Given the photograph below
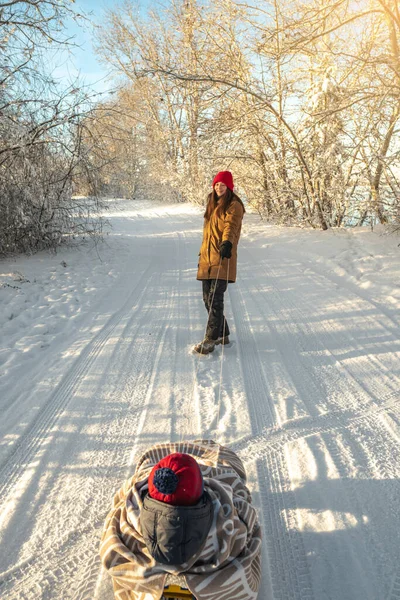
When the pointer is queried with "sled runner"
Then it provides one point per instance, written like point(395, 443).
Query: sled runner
point(176, 592)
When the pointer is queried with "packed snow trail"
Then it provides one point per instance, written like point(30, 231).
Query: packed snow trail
point(309, 400)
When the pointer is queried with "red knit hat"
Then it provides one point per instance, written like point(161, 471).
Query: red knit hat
point(176, 480)
point(224, 177)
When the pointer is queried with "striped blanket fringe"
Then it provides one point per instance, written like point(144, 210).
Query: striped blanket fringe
point(229, 564)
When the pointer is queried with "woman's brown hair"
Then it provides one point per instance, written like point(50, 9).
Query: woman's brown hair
point(212, 202)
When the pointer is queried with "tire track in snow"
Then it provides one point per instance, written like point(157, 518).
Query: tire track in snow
point(17, 463)
point(394, 593)
point(349, 390)
point(291, 341)
point(274, 439)
point(294, 341)
point(287, 561)
point(286, 355)
point(387, 377)
point(346, 282)
point(90, 581)
point(288, 566)
point(138, 356)
point(355, 457)
point(87, 487)
point(370, 537)
point(254, 380)
point(144, 436)
point(360, 389)
point(182, 400)
point(327, 337)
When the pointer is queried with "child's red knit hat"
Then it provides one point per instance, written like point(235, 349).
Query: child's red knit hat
point(225, 177)
point(176, 480)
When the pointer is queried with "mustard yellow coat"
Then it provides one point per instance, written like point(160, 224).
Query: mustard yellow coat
point(218, 229)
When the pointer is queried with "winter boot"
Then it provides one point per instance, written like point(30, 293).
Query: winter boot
point(205, 347)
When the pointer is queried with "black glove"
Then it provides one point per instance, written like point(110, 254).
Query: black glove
point(225, 249)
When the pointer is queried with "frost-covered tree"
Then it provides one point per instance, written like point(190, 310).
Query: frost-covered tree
point(40, 131)
point(300, 99)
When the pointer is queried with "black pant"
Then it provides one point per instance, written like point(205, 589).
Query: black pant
point(217, 325)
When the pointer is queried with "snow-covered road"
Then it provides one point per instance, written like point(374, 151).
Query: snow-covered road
point(96, 366)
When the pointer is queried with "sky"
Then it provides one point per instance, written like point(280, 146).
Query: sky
point(82, 60)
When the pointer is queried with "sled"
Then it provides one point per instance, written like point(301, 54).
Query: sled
point(176, 592)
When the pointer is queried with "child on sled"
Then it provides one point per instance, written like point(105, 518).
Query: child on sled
point(186, 512)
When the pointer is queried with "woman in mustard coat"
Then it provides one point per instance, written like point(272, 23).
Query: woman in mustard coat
point(218, 256)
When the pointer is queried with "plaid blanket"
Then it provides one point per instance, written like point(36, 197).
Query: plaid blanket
point(227, 567)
